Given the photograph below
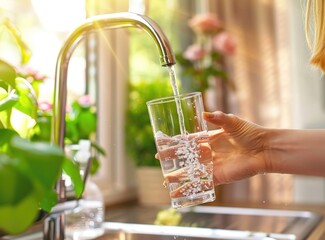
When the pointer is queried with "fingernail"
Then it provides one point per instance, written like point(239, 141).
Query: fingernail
point(208, 115)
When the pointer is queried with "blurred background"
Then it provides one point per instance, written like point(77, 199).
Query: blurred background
point(272, 82)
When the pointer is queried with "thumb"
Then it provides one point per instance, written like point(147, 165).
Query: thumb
point(226, 121)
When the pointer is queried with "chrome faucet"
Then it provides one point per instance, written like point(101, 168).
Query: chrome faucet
point(54, 226)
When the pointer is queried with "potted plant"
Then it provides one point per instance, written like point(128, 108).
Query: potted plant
point(203, 62)
point(81, 124)
point(140, 142)
point(28, 170)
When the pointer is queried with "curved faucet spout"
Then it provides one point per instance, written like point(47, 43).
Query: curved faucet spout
point(100, 22)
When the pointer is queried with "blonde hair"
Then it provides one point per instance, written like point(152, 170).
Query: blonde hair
point(315, 20)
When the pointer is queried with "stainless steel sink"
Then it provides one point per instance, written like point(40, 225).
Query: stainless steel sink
point(123, 231)
point(136, 223)
point(212, 223)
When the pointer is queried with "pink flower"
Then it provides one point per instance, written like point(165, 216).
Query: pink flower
point(194, 52)
point(45, 106)
point(224, 43)
point(31, 74)
point(85, 101)
point(68, 109)
point(205, 23)
point(39, 76)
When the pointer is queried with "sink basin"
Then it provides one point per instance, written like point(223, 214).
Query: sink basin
point(212, 223)
point(123, 231)
point(136, 223)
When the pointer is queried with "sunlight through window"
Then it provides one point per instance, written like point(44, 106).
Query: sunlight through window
point(60, 15)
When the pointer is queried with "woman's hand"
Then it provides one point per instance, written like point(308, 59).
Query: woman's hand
point(238, 150)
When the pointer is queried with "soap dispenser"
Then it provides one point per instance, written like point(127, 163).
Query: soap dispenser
point(84, 221)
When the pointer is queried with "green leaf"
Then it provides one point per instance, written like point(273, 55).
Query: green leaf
point(24, 50)
point(4, 119)
point(86, 123)
point(73, 171)
point(8, 101)
point(95, 165)
point(49, 200)
point(18, 218)
point(14, 185)
point(27, 102)
point(98, 148)
point(3, 85)
point(215, 56)
point(71, 132)
point(43, 159)
point(42, 131)
point(19, 203)
point(6, 135)
point(7, 73)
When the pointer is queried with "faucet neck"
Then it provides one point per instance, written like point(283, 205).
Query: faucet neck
point(100, 22)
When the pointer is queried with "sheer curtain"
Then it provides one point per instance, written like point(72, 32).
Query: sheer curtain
point(261, 71)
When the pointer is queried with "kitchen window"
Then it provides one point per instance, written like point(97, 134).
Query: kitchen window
point(101, 65)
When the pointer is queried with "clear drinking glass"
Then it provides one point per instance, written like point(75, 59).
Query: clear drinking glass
point(181, 138)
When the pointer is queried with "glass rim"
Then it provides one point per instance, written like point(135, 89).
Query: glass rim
point(172, 98)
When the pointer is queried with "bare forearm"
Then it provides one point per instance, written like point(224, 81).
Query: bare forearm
point(296, 151)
